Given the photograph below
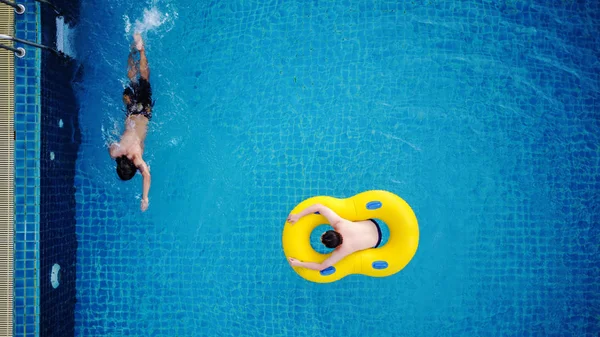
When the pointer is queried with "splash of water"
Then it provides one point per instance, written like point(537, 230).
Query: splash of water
point(127, 24)
point(152, 19)
point(111, 135)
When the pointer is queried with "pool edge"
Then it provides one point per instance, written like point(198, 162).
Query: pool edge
point(7, 102)
point(27, 111)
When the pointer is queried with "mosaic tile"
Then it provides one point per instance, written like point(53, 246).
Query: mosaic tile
point(58, 152)
point(27, 110)
point(482, 115)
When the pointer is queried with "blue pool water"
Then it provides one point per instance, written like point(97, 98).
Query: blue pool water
point(482, 115)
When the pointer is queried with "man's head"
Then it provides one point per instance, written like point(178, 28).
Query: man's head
point(125, 168)
point(331, 239)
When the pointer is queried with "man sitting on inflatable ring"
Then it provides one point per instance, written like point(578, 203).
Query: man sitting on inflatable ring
point(347, 237)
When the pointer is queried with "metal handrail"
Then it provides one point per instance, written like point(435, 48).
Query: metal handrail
point(19, 9)
point(19, 52)
point(29, 43)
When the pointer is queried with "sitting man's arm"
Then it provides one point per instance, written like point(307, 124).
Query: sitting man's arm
point(145, 171)
point(331, 216)
point(335, 257)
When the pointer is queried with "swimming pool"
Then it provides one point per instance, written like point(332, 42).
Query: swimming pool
point(482, 115)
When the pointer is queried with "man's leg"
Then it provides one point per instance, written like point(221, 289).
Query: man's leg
point(144, 70)
point(131, 69)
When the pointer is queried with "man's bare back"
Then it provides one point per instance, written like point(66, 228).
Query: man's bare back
point(136, 128)
point(358, 235)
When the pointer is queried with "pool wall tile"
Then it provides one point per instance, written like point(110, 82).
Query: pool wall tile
point(44, 192)
point(60, 139)
point(27, 111)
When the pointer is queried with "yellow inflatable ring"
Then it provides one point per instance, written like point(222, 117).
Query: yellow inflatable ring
point(376, 262)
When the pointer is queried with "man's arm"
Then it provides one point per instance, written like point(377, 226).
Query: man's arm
point(145, 171)
point(331, 216)
point(335, 257)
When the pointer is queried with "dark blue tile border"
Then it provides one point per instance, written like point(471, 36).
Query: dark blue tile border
point(27, 176)
point(60, 139)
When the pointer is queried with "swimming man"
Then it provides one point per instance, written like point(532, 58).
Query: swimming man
point(347, 237)
point(138, 101)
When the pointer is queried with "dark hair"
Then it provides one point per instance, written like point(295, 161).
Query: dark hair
point(125, 168)
point(331, 239)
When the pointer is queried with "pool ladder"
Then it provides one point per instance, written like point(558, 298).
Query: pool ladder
point(19, 51)
point(19, 9)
